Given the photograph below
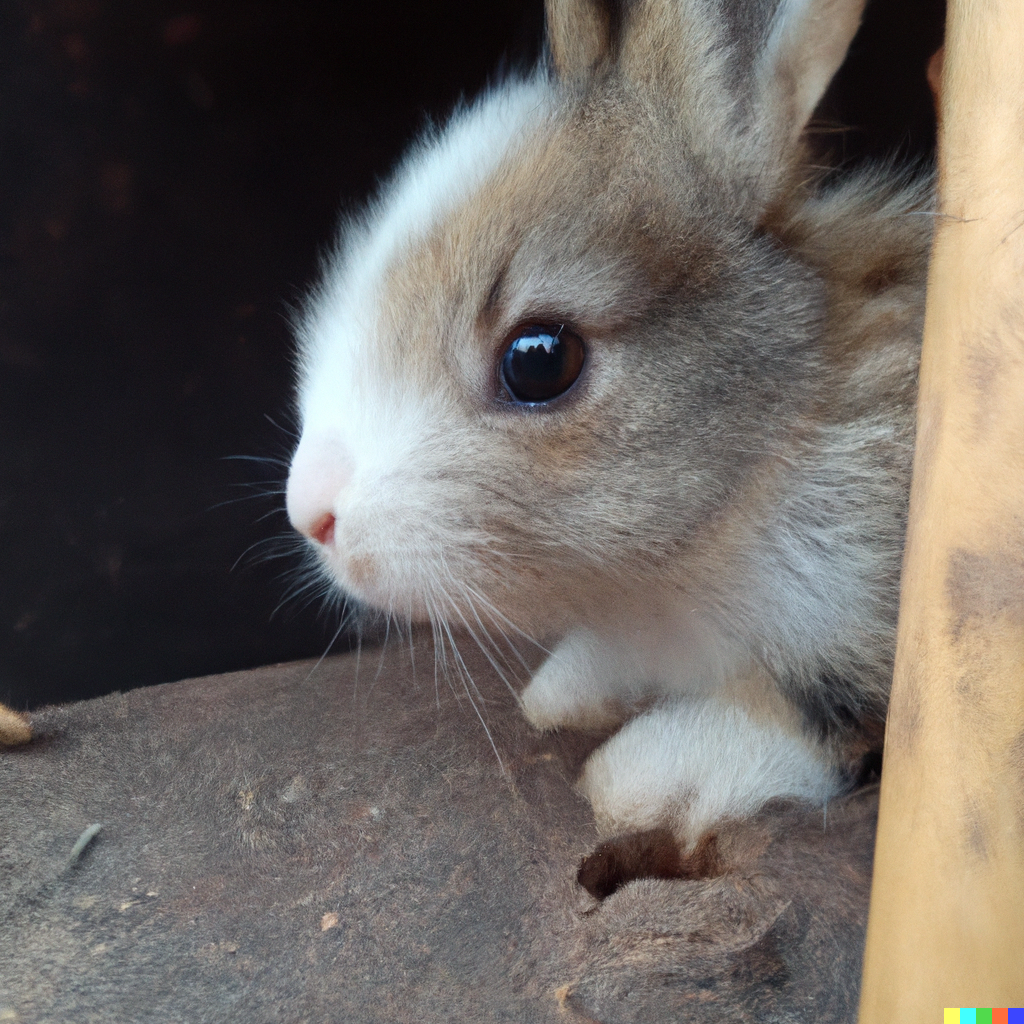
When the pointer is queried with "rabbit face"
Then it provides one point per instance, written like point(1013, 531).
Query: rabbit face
point(599, 366)
point(428, 487)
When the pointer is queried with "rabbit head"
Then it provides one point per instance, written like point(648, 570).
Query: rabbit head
point(552, 351)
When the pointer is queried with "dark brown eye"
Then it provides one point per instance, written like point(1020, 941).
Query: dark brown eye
point(542, 363)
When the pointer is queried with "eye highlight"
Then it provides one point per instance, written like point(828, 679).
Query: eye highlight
point(541, 363)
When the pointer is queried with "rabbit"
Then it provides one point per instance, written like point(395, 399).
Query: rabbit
point(610, 365)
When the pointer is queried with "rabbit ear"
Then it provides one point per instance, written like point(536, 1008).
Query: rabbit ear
point(581, 35)
point(742, 78)
point(807, 41)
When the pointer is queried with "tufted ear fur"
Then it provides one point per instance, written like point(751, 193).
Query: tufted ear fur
point(581, 35)
point(741, 77)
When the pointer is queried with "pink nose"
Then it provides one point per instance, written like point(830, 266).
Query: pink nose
point(321, 469)
point(323, 529)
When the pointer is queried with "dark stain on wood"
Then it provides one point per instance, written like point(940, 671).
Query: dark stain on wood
point(984, 587)
point(984, 368)
point(976, 829)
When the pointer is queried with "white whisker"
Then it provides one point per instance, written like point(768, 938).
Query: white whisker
point(467, 682)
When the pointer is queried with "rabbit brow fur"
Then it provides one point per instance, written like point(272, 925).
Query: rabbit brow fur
point(706, 529)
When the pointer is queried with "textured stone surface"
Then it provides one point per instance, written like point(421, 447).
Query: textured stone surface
point(299, 844)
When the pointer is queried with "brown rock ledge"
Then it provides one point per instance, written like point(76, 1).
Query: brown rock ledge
point(303, 843)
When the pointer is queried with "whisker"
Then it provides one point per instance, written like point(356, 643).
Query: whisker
point(284, 430)
point(320, 660)
point(283, 541)
point(245, 497)
point(467, 681)
point(359, 659)
point(493, 611)
point(316, 590)
point(485, 629)
point(412, 651)
point(383, 650)
point(483, 649)
point(439, 652)
point(268, 515)
point(266, 460)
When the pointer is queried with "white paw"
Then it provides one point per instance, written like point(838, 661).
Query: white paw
point(582, 685)
point(686, 765)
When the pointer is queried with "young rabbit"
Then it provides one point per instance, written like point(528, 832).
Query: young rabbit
point(603, 365)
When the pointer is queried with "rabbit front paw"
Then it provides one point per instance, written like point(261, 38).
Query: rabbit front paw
point(686, 765)
point(584, 684)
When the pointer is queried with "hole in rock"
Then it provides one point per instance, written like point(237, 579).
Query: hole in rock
point(651, 854)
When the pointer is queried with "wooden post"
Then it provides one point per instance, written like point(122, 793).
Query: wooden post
point(946, 926)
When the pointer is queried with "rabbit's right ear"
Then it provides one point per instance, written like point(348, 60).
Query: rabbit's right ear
point(581, 35)
point(806, 42)
point(741, 77)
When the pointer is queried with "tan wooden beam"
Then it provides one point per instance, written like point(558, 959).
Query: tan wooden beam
point(946, 926)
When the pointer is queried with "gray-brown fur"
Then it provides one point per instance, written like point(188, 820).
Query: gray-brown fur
point(725, 485)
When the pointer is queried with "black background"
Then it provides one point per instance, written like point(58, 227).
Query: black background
point(169, 173)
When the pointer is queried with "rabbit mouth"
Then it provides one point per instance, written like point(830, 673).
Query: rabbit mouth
point(366, 577)
point(415, 585)
point(433, 580)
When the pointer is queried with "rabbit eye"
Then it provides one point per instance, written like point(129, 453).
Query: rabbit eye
point(541, 364)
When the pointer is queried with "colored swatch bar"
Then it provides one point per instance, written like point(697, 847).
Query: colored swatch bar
point(977, 1015)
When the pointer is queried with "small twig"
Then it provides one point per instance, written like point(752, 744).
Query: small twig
point(83, 841)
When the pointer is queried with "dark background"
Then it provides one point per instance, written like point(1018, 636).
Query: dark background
point(168, 174)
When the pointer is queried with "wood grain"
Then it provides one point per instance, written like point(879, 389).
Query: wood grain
point(947, 917)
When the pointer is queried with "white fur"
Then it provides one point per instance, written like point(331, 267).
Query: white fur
point(391, 437)
point(440, 174)
point(724, 600)
point(646, 648)
point(688, 764)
